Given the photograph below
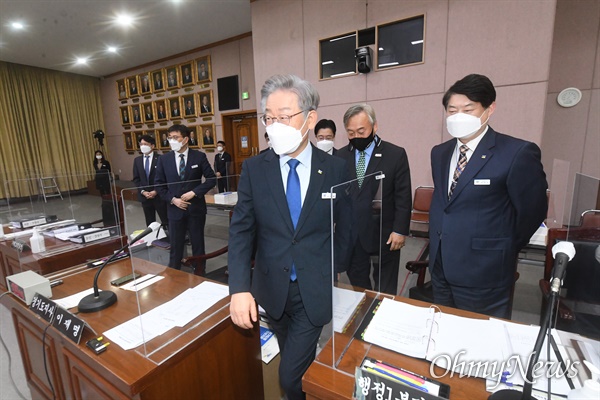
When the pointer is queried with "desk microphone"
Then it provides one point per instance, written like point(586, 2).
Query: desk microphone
point(563, 252)
point(100, 300)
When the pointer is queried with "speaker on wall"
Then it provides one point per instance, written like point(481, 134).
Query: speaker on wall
point(228, 89)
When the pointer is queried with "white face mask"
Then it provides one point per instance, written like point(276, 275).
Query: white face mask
point(461, 125)
point(219, 148)
point(285, 139)
point(325, 145)
point(98, 157)
point(175, 144)
point(145, 149)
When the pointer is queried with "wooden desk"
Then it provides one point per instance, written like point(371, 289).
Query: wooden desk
point(12, 262)
point(322, 381)
point(208, 358)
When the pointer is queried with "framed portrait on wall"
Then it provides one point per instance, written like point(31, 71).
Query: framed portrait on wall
point(149, 113)
point(158, 81)
point(162, 141)
point(125, 116)
point(121, 89)
point(186, 71)
point(151, 133)
point(203, 70)
point(160, 110)
point(137, 136)
point(189, 105)
point(209, 140)
point(172, 74)
point(175, 108)
point(136, 114)
point(128, 141)
point(133, 86)
point(206, 103)
point(145, 86)
point(193, 142)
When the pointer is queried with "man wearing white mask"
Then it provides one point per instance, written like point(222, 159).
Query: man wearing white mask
point(325, 134)
point(284, 212)
point(144, 172)
point(189, 177)
point(489, 198)
point(222, 165)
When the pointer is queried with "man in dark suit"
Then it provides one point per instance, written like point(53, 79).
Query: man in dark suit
point(183, 169)
point(149, 116)
point(388, 200)
point(205, 105)
point(136, 115)
point(292, 270)
point(158, 84)
point(161, 112)
point(489, 198)
point(325, 134)
point(207, 138)
point(144, 171)
point(189, 108)
point(222, 166)
point(175, 109)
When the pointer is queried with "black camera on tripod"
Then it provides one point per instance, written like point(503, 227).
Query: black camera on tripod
point(99, 134)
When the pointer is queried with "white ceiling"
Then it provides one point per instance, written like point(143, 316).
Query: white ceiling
point(58, 31)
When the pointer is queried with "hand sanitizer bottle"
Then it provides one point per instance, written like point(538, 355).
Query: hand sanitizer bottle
point(37, 241)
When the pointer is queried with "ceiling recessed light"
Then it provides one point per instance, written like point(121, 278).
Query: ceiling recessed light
point(124, 20)
point(17, 25)
point(81, 60)
point(111, 49)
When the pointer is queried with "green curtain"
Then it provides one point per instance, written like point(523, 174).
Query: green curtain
point(47, 120)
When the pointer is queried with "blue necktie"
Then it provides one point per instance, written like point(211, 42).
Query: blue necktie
point(147, 166)
point(294, 199)
point(181, 167)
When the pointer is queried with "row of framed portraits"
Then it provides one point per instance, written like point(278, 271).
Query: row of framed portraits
point(176, 76)
point(201, 136)
point(187, 106)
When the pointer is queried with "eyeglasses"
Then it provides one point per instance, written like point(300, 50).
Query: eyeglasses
point(282, 119)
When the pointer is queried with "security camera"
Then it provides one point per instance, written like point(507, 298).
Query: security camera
point(363, 59)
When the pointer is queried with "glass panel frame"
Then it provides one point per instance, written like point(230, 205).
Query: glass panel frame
point(336, 56)
point(401, 43)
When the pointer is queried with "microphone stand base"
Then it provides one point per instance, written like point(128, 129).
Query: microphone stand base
point(91, 303)
point(508, 394)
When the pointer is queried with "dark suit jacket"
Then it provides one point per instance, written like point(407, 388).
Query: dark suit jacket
point(196, 168)
point(139, 175)
point(261, 216)
point(396, 196)
point(220, 164)
point(498, 203)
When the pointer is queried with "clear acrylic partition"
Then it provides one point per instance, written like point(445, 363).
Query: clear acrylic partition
point(65, 212)
point(165, 331)
point(352, 304)
point(557, 194)
point(586, 197)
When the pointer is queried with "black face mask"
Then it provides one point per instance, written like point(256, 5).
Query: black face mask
point(362, 143)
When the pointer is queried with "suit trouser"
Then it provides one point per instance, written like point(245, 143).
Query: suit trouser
point(297, 338)
point(359, 271)
point(177, 229)
point(153, 206)
point(222, 184)
point(494, 302)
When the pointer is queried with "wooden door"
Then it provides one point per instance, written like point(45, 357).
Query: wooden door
point(245, 140)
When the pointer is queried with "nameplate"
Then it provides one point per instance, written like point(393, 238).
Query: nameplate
point(369, 386)
point(68, 324)
point(481, 182)
point(43, 306)
point(328, 195)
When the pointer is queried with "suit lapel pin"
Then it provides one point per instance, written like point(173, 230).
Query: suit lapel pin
point(483, 156)
point(377, 154)
point(320, 172)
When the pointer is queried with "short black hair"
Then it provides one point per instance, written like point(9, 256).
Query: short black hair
point(184, 130)
point(324, 124)
point(221, 142)
point(149, 139)
point(476, 87)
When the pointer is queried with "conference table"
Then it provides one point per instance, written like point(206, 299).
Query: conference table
point(323, 381)
point(207, 358)
point(59, 255)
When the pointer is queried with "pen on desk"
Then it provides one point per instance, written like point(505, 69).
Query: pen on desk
point(56, 283)
point(386, 374)
point(142, 281)
point(405, 374)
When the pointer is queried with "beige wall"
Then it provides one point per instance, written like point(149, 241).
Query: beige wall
point(509, 41)
point(233, 58)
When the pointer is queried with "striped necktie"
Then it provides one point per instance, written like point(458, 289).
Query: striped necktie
point(181, 166)
point(460, 167)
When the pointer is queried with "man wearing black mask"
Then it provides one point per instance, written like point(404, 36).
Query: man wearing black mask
point(387, 200)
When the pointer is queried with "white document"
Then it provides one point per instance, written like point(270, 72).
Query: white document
point(345, 302)
point(73, 300)
point(67, 235)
